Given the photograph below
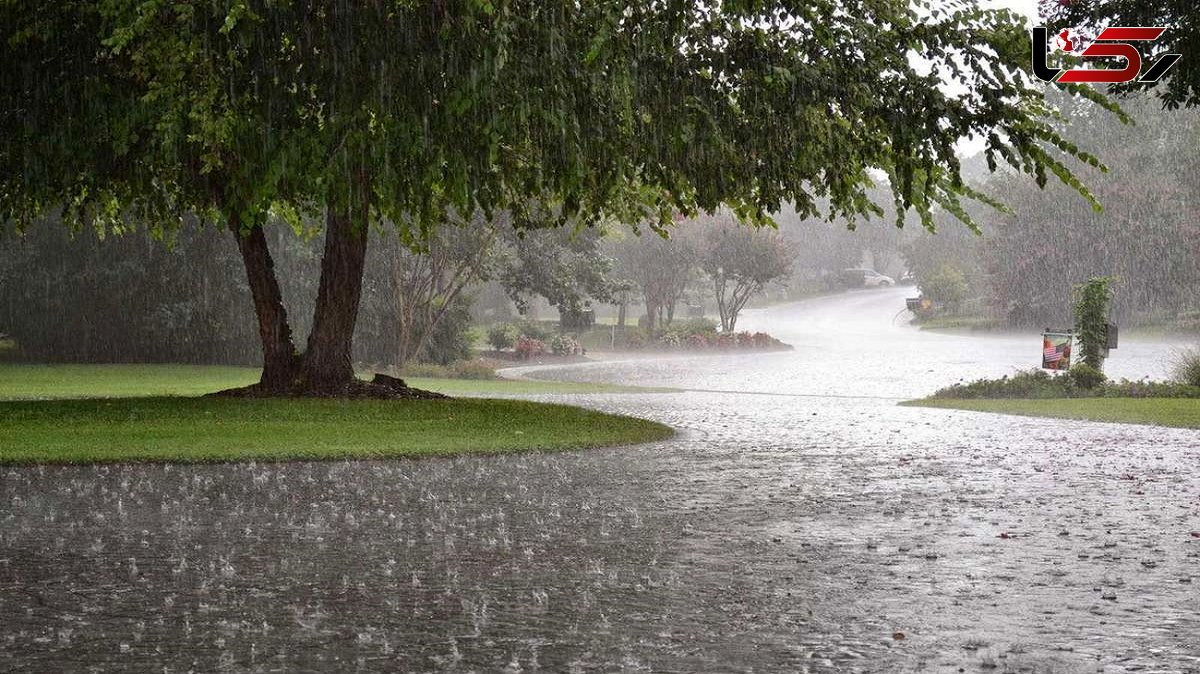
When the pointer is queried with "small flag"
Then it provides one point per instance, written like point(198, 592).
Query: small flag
point(1056, 351)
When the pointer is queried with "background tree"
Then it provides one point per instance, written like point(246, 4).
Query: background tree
point(429, 285)
point(740, 262)
point(1020, 271)
point(1147, 234)
point(661, 267)
point(563, 265)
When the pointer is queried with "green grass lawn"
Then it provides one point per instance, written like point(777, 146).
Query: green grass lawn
point(132, 413)
point(26, 382)
point(223, 429)
point(1177, 412)
point(960, 323)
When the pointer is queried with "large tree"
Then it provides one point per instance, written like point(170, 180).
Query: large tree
point(139, 111)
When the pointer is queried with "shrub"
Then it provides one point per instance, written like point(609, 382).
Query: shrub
point(1040, 384)
point(528, 347)
point(635, 339)
point(1024, 384)
point(1188, 320)
point(947, 286)
point(472, 369)
point(694, 326)
point(671, 339)
point(1086, 377)
point(534, 330)
point(564, 345)
point(1185, 368)
point(1091, 318)
point(462, 369)
point(698, 340)
point(451, 338)
point(1150, 389)
point(502, 336)
point(764, 341)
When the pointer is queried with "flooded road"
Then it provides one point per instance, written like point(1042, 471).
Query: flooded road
point(817, 528)
point(861, 344)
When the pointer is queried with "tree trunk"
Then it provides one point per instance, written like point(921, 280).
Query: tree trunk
point(328, 367)
point(280, 363)
point(651, 315)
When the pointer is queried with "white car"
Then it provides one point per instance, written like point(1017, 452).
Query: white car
point(870, 278)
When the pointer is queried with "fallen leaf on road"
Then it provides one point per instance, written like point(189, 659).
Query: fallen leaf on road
point(898, 636)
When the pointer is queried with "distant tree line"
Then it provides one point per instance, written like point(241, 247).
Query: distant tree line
point(719, 259)
point(1023, 266)
point(62, 298)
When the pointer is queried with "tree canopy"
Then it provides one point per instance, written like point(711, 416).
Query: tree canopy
point(137, 112)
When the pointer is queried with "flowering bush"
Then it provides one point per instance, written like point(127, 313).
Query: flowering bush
point(528, 347)
point(698, 335)
point(565, 345)
point(502, 336)
point(670, 339)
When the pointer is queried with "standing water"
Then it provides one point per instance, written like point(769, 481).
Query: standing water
point(800, 522)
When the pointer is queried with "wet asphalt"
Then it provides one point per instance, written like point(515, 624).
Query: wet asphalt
point(800, 522)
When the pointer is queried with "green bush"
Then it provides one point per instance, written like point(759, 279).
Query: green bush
point(946, 287)
point(473, 369)
point(502, 336)
point(1025, 384)
point(1091, 319)
point(1150, 389)
point(1086, 377)
point(670, 339)
point(1186, 367)
point(694, 326)
point(452, 337)
point(534, 330)
point(462, 369)
point(1039, 384)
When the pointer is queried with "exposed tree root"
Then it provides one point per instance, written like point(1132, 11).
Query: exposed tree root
point(382, 387)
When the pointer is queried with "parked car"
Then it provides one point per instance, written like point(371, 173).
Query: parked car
point(866, 278)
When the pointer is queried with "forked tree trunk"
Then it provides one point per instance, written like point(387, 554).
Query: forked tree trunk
point(327, 366)
point(651, 314)
point(280, 362)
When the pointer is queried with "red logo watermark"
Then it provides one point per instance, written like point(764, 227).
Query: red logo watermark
point(1113, 41)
